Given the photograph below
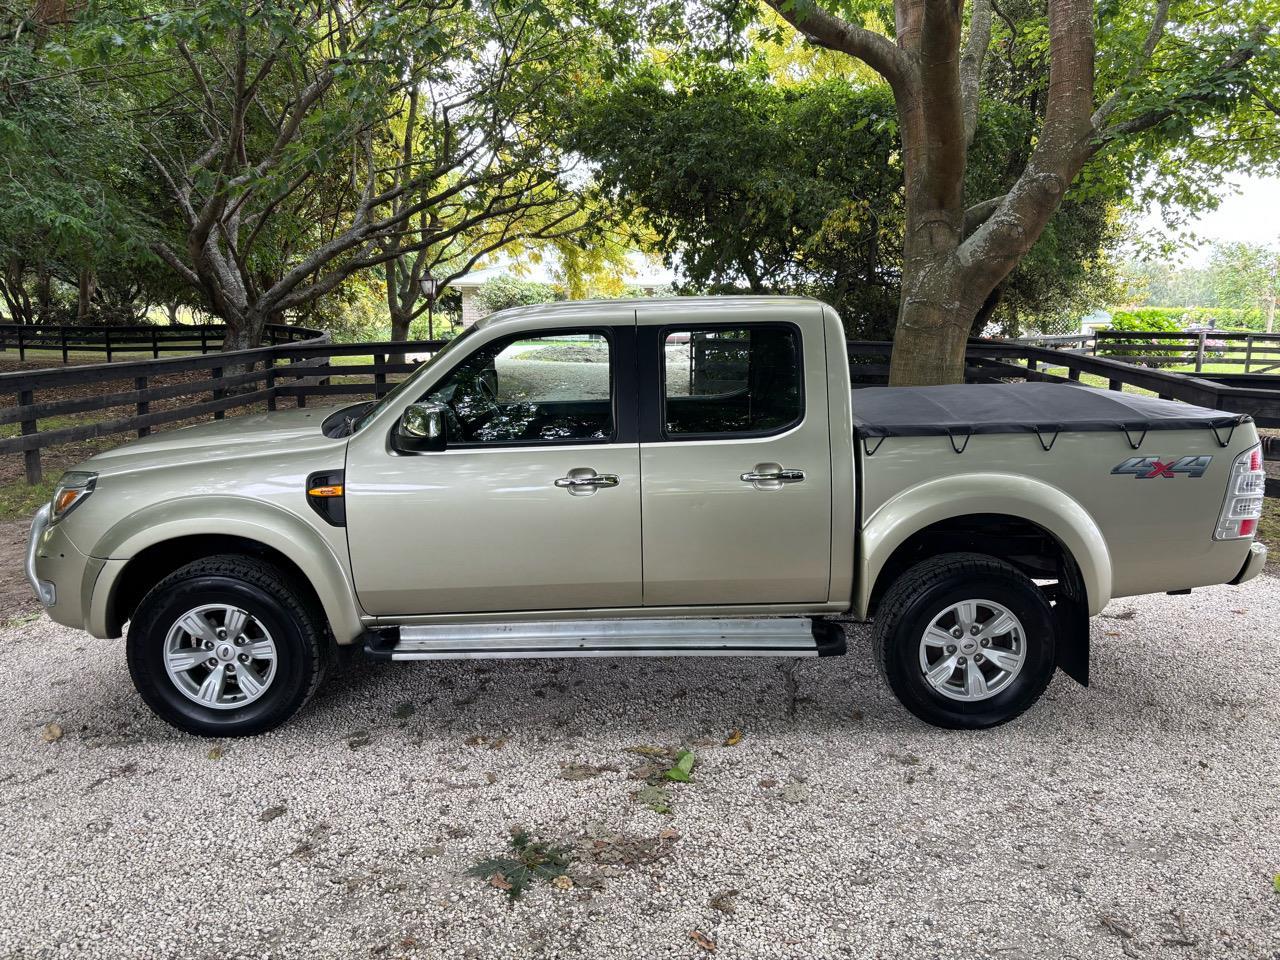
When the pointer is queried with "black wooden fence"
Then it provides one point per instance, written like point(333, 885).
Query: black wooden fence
point(210, 385)
point(142, 338)
point(206, 386)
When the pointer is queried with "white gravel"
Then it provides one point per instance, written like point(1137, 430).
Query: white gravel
point(1140, 817)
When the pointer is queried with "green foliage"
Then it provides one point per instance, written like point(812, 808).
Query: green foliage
point(530, 860)
point(1148, 320)
point(503, 291)
point(682, 770)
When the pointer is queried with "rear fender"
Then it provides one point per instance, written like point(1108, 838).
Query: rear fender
point(985, 493)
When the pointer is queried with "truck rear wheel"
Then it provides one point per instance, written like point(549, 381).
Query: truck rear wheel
point(965, 641)
point(225, 647)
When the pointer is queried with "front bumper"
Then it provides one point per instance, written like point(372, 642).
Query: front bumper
point(1253, 564)
point(45, 590)
point(60, 575)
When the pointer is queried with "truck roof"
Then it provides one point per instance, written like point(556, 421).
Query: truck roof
point(573, 310)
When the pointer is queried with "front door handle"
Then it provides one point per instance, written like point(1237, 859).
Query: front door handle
point(583, 481)
point(771, 476)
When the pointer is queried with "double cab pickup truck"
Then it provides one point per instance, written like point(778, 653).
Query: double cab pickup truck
point(666, 477)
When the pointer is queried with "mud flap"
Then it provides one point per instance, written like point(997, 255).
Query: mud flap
point(1071, 618)
point(1072, 647)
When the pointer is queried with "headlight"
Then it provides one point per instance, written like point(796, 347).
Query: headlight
point(71, 490)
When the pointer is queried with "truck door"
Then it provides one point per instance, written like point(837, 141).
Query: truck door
point(535, 502)
point(735, 454)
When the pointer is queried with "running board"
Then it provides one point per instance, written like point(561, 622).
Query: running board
point(693, 637)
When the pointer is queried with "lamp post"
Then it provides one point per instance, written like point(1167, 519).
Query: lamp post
point(430, 288)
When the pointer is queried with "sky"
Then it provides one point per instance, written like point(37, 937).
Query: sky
point(1250, 214)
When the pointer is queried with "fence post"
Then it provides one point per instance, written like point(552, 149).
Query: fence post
point(64, 345)
point(1115, 385)
point(155, 344)
point(218, 394)
point(144, 407)
point(1248, 351)
point(106, 336)
point(30, 458)
point(22, 347)
point(379, 375)
point(204, 339)
point(1073, 373)
point(270, 364)
point(1200, 352)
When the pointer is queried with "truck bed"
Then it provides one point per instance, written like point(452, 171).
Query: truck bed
point(1045, 409)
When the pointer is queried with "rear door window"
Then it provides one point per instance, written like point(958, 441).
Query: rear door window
point(731, 380)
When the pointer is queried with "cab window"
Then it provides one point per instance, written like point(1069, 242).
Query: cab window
point(727, 381)
point(542, 388)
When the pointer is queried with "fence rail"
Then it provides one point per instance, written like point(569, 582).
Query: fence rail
point(142, 338)
point(209, 385)
point(1253, 352)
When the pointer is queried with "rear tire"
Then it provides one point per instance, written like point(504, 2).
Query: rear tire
point(226, 647)
point(965, 641)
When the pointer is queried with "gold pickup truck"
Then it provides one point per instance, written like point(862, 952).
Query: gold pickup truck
point(647, 478)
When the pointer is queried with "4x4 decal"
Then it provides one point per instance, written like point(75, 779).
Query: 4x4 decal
point(1148, 468)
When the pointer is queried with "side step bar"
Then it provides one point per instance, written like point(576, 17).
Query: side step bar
point(692, 637)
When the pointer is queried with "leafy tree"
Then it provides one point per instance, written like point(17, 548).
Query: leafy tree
point(295, 146)
point(1247, 275)
point(69, 197)
point(752, 184)
point(1121, 94)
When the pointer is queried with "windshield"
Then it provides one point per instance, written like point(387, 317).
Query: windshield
point(408, 382)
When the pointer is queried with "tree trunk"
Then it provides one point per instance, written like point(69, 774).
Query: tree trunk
point(400, 321)
point(44, 296)
point(84, 297)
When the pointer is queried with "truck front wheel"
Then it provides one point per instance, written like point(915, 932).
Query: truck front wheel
point(225, 647)
point(965, 641)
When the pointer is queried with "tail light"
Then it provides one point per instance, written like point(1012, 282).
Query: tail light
point(1245, 490)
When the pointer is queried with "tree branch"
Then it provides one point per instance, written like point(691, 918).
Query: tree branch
point(827, 30)
point(1138, 67)
point(980, 213)
point(1145, 121)
point(971, 61)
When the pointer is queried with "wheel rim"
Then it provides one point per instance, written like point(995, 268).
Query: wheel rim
point(220, 656)
point(972, 650)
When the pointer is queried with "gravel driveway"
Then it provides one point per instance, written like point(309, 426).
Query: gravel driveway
point(1140, 818)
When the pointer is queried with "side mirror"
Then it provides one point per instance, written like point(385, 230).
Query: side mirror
point(423, 428)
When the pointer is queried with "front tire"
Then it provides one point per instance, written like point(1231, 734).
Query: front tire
point(965, 641)
point(225, 647)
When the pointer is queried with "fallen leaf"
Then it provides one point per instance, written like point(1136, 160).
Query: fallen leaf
point(733, 739)
point(702, 940)
point(271, 813)
point(404, 711)
point(1117, 927)
point(499, 881)
point(51, 733)
point(656, 798)
point(723, 901)
point(562, 882)
point(668, 833)
point(583, 771)
point(768, 784)
point(215, 753)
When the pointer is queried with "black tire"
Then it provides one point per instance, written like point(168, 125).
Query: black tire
point(923, 593)
point(301, 644)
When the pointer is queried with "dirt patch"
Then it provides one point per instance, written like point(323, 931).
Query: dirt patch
point(16, 599)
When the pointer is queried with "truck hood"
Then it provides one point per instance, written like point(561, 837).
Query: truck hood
point(270, 434)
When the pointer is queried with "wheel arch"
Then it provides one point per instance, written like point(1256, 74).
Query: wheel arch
point(150, 544)
point(1014, 518)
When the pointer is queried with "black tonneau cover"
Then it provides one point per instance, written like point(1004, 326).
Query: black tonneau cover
point(1045, 409)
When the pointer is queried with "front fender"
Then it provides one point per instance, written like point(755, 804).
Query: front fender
point(254, 520)
point(984, 493)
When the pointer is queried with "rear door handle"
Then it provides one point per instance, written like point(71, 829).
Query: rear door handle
point(583, 481)
point(771, 476)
